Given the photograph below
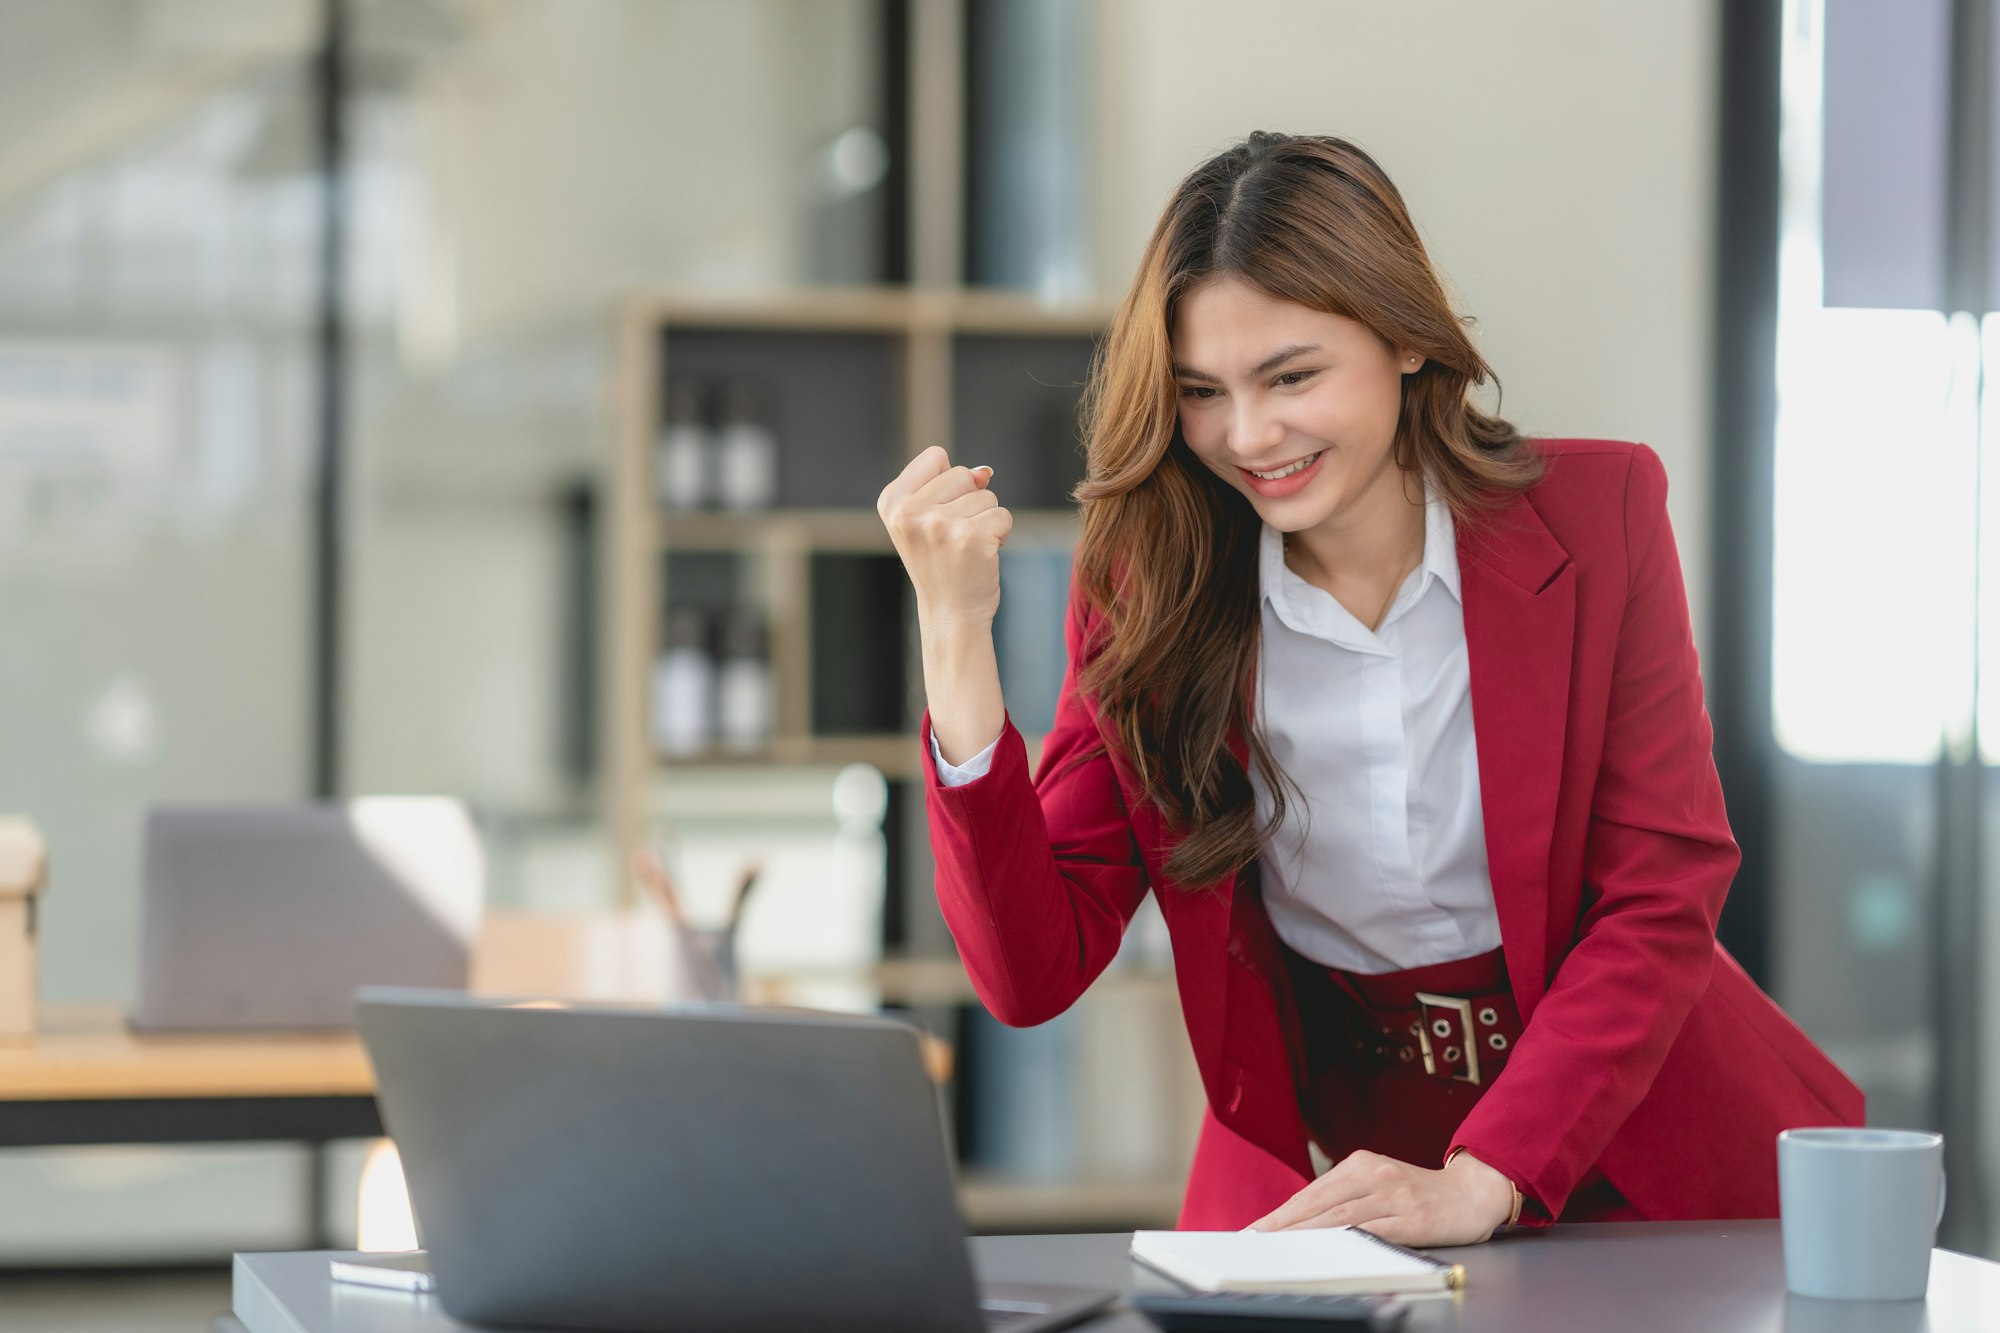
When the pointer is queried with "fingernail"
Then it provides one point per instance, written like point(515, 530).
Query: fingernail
point(981, 467)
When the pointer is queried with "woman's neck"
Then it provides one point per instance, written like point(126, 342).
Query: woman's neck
point(1379, 542)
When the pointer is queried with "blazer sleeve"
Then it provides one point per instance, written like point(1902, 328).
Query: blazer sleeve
point(1658, 860)
point(1037, 878)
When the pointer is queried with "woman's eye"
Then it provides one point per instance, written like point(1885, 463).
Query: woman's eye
point(1292, 377)
point(1201, 393)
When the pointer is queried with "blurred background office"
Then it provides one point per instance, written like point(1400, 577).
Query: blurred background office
point(487, 398)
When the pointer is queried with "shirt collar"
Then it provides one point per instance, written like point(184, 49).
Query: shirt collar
point(1440, 561)
point(1440, 540)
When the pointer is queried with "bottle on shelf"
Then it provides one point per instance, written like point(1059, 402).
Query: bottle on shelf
point(683, 470)
point(745, 699)
point(746, 451)
point(684, 687)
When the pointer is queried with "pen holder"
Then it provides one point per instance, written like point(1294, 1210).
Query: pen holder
point(701, 964)
point(700, 960)
point(23, 872)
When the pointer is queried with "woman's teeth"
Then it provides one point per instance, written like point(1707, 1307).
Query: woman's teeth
point(1282, 472)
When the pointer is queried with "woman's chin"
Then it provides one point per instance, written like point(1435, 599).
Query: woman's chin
point(1296, 513)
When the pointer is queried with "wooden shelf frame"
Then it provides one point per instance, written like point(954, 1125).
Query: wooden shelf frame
point(899, 756)
point(843, 530)
point(923, 324)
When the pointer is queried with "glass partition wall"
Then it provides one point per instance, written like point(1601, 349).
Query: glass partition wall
point(517, 171)
point(508, 171)
point(1884, 696)
point(157, 283)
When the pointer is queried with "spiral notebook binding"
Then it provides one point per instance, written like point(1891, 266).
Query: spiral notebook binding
point(1454, 1274)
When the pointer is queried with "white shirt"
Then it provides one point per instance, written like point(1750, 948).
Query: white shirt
point(1383, 865)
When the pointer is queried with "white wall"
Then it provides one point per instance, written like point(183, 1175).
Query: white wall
point(1557, 155)
point(567, 153)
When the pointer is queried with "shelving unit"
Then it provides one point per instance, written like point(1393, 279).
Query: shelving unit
point(858, 382)
point(861, 381)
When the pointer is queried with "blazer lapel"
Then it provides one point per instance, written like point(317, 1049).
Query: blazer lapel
point(1518, 591)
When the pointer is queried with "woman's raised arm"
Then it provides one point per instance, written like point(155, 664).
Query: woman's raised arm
point(1037, 876)
point(948, 527)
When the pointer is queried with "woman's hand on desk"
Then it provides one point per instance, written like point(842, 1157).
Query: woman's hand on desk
point(1462, 1204)
point(949, 527)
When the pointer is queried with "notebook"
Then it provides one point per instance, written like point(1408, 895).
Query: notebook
point(1324, 1259)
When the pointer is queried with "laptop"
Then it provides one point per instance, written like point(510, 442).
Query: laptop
point(269, 917)
point(705, 1170)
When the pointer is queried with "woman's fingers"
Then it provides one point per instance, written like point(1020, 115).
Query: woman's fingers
point(948, 485)
point(927, 485)
point(1358, 1177)
point(916, 474)
point(1312, 1201)
point(970, 503)
point(1363, 1212)
point(994, 524)
point(1411, 1205)
point(998, 520)
point(948, 524)
point(948, 528)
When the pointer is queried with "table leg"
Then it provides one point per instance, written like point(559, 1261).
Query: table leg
point(318, 1191)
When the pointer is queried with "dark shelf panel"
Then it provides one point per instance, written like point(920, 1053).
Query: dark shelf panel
point(1015, 402)
point(860, 619)
point(833, 398)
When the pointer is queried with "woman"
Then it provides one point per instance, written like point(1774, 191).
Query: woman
point(1398, 714)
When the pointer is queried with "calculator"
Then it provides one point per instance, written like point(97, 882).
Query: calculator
point(1277, 1311)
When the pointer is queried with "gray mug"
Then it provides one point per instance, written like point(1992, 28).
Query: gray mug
point(1860, 1211)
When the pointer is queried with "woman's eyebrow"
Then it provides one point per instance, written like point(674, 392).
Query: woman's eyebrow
point(1282, 355)
point(1271, 362)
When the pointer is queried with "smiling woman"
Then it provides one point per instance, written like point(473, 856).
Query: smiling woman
point(1284, 307)
point(1398, 714)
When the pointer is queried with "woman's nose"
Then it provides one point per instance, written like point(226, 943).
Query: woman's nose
point(1253, 429)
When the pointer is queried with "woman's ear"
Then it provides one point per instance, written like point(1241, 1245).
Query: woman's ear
point(1408, 362)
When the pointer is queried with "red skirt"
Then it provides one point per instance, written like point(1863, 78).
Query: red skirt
point(1360, 1089)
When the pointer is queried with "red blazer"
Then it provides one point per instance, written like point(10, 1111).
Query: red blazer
point(1647, 1051)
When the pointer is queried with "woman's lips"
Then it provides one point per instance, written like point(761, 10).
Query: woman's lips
point(1277, 489)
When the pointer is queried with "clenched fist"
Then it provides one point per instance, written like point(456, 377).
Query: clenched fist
point(948, 527)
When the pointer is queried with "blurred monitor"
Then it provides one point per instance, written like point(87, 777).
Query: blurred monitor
point(270, 916)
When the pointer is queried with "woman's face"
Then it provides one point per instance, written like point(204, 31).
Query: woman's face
point(1294, 407)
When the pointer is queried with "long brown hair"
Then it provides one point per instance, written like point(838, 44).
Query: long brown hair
point(1168, 555)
